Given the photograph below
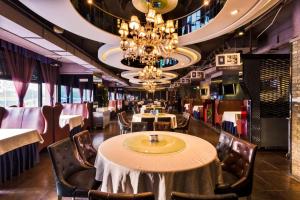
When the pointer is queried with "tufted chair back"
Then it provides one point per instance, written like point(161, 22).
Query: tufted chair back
point(162, 126)
point(188, 196)
point(83, 143)
point(224, 145)
point(64, 162)
point(97, 195)
point(139, 126)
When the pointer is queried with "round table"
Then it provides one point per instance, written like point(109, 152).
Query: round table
point(193, 168)
point(138, 118)
point(153, 107)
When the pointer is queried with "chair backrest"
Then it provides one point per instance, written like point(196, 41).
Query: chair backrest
point(64, 161)
point(186, 196)
point(150, 121)
point(139, 126)
point(97, 195)
point(33, 118)
point(125, 118)
point(84, 145)
point(164, 119)
point(224, 145)
point(12, 117)
point(240, 160)
point(162, 126)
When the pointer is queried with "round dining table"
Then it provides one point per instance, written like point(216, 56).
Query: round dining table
point(138, 118)
point(134, 163)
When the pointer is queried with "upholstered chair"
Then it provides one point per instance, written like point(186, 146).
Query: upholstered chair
point(224, 145)
point(184, 123)
point(97, 195)
point(72, 178)
point(84, 146)
point(150, 121)
point(187, 196)
point(124, 127)
point(139, 126)
point(125, 118)
point(238, 169)
point(162, 126)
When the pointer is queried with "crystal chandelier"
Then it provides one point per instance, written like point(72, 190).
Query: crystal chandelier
point(149, 42)
point(149, 73)
point(150, 86)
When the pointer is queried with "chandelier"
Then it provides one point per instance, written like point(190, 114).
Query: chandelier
point(150, 72)
point(150, 86)
point(149, 42)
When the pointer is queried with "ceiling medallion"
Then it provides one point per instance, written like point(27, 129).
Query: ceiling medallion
point(150, 42)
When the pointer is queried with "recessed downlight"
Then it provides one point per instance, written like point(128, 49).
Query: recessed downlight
point(234, 12)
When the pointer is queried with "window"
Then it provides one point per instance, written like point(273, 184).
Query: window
point(32, 96)
point(46, 96)
point(8, 93)
point(86, 95)
point(63, 94)
point(76, 95)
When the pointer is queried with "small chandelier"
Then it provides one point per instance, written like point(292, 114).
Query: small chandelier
point(150, 86)
point(149, 73)
point(149, 42)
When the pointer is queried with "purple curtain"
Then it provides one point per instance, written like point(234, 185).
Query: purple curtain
point(50, 76)
point(21, 69)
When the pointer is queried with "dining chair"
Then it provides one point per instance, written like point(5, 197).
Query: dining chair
point(188, 196)
point(72, 178)
point(150, 121)
point(184, 123)
point(124, 127)
point(237, 169)
point(162, 126)
point(139, 126)
point(84, 146)
point(164, 119)
point(125, 118)
point(97, 195)
point(224, 145)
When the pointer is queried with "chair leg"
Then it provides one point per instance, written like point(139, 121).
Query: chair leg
point(59, 197)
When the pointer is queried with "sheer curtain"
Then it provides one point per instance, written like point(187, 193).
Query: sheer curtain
point(21, 68)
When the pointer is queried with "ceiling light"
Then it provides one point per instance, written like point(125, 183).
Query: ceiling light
point(58, 30)
point(206, 3)
point(90, 1)
point(234, 12)
point(241, 33)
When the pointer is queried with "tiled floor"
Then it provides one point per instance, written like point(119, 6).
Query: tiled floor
point(271, 180)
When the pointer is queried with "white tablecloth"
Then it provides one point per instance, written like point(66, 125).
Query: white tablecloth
point(11, 139)
point(195, 169)
point(197, 108)
point(230, 116)
point(187, 106)
point(138, 118)
point(72, 120)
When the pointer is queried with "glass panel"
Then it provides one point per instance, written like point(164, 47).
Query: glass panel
point(8, 93)
point(46, 96)
point(76, 95)
point(63, 94)
point(32, 96)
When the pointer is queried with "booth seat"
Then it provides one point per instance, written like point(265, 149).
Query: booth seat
point(222, 106)
point(82, 109)
point(41, 119)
